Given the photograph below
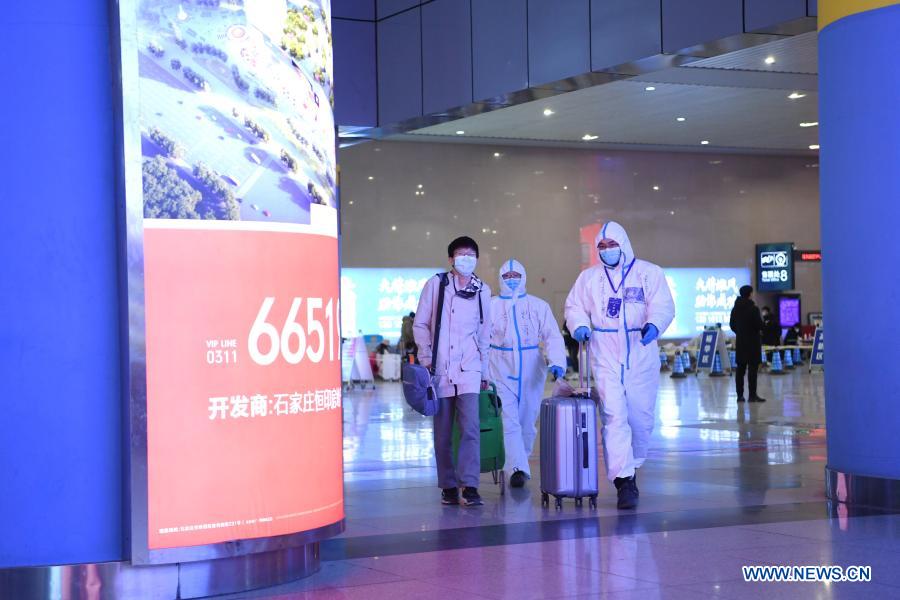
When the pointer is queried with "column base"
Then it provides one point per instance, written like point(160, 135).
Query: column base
point(862, 490)
point(123, 581)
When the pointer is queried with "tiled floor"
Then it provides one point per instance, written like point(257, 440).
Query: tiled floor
point(727, 485)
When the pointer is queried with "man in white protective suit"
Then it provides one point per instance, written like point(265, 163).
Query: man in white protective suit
point(521, 324)
point(622, 305)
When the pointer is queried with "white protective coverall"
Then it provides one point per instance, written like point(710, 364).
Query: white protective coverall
point(616, 303)
point(521, 323)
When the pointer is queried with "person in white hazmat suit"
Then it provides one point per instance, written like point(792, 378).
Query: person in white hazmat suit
point(621, 306)
point(521, 323)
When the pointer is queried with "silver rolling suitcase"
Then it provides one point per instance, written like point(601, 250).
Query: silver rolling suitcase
point(569, 454)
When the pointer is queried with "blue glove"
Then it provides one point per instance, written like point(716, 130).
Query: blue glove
point(582, 334)
point(557, 372)
point(649, 333)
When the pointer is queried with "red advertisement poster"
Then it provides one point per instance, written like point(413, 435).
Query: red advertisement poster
point(243, 384)
point(231, 230)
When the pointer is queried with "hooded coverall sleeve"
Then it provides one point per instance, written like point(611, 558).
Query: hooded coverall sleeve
point(484, 333)
point(422, 323)
point(577, 304)
point(552, 338)
point(660, 305)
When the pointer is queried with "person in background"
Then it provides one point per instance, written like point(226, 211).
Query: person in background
point(792, 336)
point(571, 348)
point(521, 324)
point(747, 325)
point(771, 333)
point(461, 369)
point(622, 305)
point(407, 344)
point(383, 348)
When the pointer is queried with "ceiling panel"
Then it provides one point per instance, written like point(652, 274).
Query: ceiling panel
point(734, 105)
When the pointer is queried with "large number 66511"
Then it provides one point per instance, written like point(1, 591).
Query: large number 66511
point(291, 342)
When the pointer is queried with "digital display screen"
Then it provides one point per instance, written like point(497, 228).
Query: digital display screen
point(774, 267)
point(703, 298)
point(374, 301)
point(788, 311)
point(233, 268)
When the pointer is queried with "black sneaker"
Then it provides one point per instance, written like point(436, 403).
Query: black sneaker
point(757, 399)
point(450, 496)
point(470, 497)
point(628, 494)
point(741, 399)
point(517, 479)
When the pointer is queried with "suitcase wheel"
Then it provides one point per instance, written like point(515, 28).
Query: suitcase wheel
point(593, 501)
point(578, 502)
point(545, 499)
point(558, 503)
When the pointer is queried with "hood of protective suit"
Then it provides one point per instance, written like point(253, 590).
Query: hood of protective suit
point(614, 231)
point(512, 265)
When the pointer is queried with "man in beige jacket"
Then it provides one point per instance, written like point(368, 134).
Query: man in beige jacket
point(461, 367)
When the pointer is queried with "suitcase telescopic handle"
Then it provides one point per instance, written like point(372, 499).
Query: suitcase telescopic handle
point(584, 362)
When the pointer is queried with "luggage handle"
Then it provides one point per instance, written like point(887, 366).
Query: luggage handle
point(584, 365)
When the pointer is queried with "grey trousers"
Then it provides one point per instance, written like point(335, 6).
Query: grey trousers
point(467, 471)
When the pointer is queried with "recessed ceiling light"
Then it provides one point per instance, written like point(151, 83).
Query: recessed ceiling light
point(460, 132)
point(565, 187)
point(371, 178)
point(770, 60)
point(705, 142)
point(681, 119)
point(656, 188)
point(548, 112)
point(496, 155)
point(671, 212)
point(589, 138)
point(813, 146)
point(351, 202)
point(420, 186)
point(796, 96)
point(393, 228)
point(810, 124)
point(650, 88)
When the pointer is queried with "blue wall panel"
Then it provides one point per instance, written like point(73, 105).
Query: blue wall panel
point(499, 47)
point(446, 55)
point(61, 428)
point(353, 9)
point(690, 22)
point(399, 68)
point(386, 8)
point(624, 30)
point(354, 73)
point(860, 183)
point(765, 13)
point(558, 39)
point(812, 8)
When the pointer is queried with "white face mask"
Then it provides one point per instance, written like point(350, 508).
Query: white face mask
point(465, 264)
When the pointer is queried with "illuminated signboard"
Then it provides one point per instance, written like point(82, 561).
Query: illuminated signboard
point(233, 274)
point(774, 267)
point(808, 255)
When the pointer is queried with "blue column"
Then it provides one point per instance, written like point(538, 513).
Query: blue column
point(61, 423)
point(860, 188)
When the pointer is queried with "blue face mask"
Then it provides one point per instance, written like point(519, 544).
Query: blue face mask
point(611, 256)
point(513, 283)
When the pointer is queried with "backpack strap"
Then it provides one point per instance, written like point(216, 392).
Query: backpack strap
point(443, 282)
